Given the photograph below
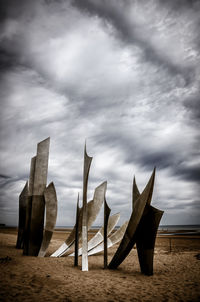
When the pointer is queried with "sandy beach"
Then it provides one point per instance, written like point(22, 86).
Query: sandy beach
point(176, 273)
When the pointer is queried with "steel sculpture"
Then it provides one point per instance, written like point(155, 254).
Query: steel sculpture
point(86, 169)
point(107, 211)
point(98, 237)
point(76, 234)
point(35, 196)
point(51, 215)
point(93, 208)
point(38, 197)
point(112, 240)
point(38, 202)
point(29, 207)
point(129, 238)
point(146, 234)
point(23, 200)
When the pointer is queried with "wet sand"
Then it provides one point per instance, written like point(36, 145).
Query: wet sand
point(176, 273)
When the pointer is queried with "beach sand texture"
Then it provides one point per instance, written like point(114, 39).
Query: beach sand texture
point(24, 278)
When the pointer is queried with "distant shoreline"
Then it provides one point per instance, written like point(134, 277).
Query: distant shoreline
point(170, 230)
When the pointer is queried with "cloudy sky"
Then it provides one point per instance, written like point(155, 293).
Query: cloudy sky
point(123, 75)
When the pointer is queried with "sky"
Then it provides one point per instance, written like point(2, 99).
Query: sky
point(122, 75)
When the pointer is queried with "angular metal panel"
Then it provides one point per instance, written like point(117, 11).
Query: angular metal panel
point(29, 206)
point(129, 238)
point(31, 176)
point(98, 237)
point(93, 208)
point(76, 234)
point(107, 211)
point(146, 236)
point(38, 202)
point(112, 240)
point(51, 215)
point(87, 164)
point(23, 200)
point(135, 192)
point(27, 226)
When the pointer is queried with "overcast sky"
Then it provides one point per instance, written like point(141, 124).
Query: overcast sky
point(125, 76)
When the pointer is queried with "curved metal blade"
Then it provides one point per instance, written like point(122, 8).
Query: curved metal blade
point(51, 215)
point(98, 238)
point(93, 208)
point(112, 240)
point(129, 238)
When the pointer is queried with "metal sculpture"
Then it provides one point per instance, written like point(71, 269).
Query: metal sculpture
point(51, 215)
point(87, 164)
point(93, 208)
point(38, 202)
point(77, 234)
point(37, 198)
point(29, 207)
point(107, 211)
point(23, 199)
point(99, 236)
point(112, 240)
point(146, 234)
point(129, 238)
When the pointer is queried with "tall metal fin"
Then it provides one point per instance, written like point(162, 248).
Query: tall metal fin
point(146, 236)
point(23, 199)
point(98, 237)
point(29, 206)
point(93, 208)
point(38, 202)
point(77, 233)
point(51, 215)
point(87, 164)
point(129, 238)
point(107, 211)
point(135, 192)
point(112, 240)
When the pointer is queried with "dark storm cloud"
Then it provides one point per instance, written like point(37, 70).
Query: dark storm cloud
point(7, 60)
point(188, 173)
point(131, 32)
point(193, 106)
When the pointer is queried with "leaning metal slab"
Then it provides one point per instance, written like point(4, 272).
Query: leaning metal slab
point(146, 236)
point(129, 238)
point(112, 240)
point(51, 215)
point(98, 238)
point(93, 208)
